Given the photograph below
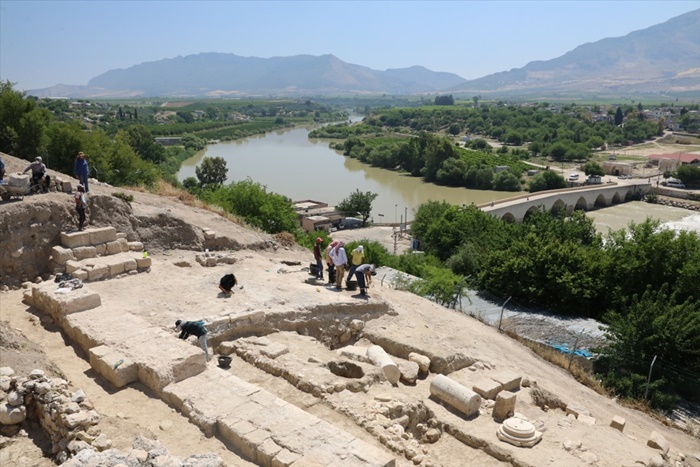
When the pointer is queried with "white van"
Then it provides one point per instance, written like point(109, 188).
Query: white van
point(674, 183)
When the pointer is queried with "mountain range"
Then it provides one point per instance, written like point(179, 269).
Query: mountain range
point(664, 58)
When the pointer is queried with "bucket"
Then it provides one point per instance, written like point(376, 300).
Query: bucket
point(351, 285)
point(312, 269)
point(224, 361)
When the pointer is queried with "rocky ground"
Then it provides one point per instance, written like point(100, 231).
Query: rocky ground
point(177, 286)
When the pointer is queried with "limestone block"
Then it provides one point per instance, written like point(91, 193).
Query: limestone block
point(135, 246)
point(115, 269)
point(113, 365)
point(74, 301)
point(487, 388)
point(80, 274)
point(657, 441)
point(66, 186)
point(266, 452)
point(19, 180)
point(618, 423)
point(380, 358)
point(123, 245)
point(143, 263)
point(210, 261)
point(130, 265)
point(588, 420)
point(235, 431)
point(285, 458)
point(121, 235)
point(461, 398)
point(409, 372)
point(422, 361)
point(508, 379)
point(72, 266)
point(370, 455)
point(114, 247)
point(75, 239)
point(252, 441)
point(83, 252)
point(60, 255)
point(12, 415)
point(209, 235)
point(101, 249)
point(102, 235)
point(577, 410)
point(505, 406)
point(353, 352)
point(274, 350)
point(99, 271)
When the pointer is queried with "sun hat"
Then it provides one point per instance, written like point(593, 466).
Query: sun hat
point(360, 249)
point(38, 158)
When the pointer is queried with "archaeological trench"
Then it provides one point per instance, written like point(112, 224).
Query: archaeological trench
point(416, 379)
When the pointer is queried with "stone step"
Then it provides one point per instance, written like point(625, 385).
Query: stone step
point(91, 243)
point(264, 428)
point(89, 237)
point(104, 267)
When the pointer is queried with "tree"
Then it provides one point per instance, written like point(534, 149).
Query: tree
point(547, 180)
point(619, 116)
point(142, 142)
point(358, 203)
point(506, 181)
point(454, 129)
point(212, 172)
point(593, 168)
point(22, 123)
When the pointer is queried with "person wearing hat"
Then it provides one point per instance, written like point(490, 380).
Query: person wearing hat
point(195, 328)
point(364, 273)
point(356, 257)
point(319, 258)
point(340, 259)
point(38, 171)
point(82, 170)
point(80, 205)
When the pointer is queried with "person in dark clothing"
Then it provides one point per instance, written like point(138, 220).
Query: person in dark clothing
point(82, 170)
point(227, 283)
point(364, 273)
point(319, 258)
point(80, 205)
point(195, 328)
point(2, 169)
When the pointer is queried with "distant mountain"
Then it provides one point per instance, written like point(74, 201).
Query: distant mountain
point(661, 58)
point(219, 74)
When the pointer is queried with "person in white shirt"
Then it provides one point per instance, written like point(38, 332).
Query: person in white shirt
point(339, 260)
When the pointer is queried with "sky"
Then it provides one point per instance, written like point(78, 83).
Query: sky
point(45, 43)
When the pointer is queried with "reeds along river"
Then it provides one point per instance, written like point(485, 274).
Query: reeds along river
point(288, 163)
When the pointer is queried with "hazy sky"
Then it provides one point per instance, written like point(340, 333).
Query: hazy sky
point(43, 43)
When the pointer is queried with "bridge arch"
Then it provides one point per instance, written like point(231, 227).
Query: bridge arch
point(558, 207)
point(600, 201)
point(581, 204)
point(509, 218)
point(616, 198)
point(531, 210)
point(630, 195)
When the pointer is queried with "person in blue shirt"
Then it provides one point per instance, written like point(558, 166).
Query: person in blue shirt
point(82, 170)
point(195, 328)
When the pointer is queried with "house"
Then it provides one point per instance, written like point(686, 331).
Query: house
point(501, 168)
point(594, 180)
point(673, 161)
point(316, 215)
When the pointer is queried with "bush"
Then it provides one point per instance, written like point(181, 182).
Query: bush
point(123, 196)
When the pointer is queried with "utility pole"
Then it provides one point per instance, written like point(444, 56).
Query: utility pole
point(649, 377)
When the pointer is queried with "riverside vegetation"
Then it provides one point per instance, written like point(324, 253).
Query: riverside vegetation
point(641, 281)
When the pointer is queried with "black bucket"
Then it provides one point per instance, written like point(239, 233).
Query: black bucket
point(224, 361)
point(351, 285)
point(312, 269)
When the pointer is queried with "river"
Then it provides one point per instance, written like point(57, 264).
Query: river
point(289, 163)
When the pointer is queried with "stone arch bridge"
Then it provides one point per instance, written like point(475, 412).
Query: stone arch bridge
point(567, 199)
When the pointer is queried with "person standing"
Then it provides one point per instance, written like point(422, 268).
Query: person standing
point(82, 170)
point(364, 273)
point(329, 262)
point(356, 257)
point(80, 205)
point(318, 258)
point(339, 260)
point(2, 169)
point(195, 328)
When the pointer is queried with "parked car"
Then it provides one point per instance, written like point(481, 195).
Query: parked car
point(573, 177)
point(673, 183)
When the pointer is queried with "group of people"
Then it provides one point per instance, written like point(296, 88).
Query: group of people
point(337, 260)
